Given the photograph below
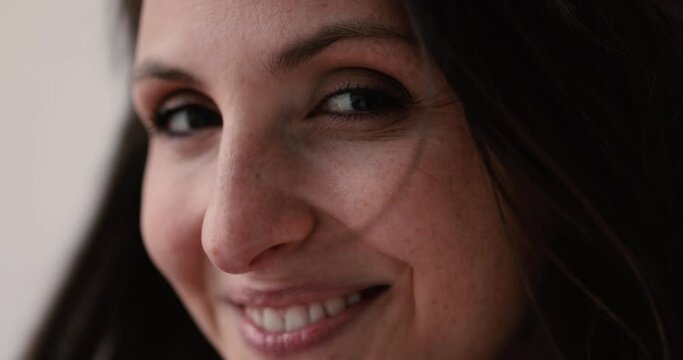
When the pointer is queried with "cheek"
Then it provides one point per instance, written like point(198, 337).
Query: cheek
point(443, 224)
point(173, 205)
point(465, 281)
point(444, 221)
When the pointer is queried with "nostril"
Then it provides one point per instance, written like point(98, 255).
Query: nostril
point(277, 248)
point(272, 251)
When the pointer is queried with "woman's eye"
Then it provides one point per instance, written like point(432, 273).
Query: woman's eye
point(359, 102)
point(186, 120)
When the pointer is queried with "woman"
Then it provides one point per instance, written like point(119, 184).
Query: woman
point(385, 180)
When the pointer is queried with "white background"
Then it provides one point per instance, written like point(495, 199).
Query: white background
point(62, 94)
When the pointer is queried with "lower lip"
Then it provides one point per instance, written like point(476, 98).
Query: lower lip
point(286, 343)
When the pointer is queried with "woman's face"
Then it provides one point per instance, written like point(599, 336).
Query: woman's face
point(312, 190)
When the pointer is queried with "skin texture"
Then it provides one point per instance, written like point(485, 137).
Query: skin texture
point(282, 195)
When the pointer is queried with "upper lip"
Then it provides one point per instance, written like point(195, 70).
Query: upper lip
point(290, 296)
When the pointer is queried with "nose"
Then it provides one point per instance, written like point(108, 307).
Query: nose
point(253, 215)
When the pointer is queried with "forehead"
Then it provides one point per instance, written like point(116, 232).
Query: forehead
point(182, 28)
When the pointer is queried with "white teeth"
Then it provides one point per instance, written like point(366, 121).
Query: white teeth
point(272, 321)
point(296, 317)
point(352, 299)
point(316, 312)
point(255, 316)
point(334, 306)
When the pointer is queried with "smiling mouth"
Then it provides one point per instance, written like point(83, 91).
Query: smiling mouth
point(283, 330)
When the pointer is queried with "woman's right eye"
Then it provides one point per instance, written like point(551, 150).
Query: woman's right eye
point(186, 120)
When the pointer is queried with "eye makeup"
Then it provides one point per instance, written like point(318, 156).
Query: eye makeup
point(357, 100)
point(183, 114)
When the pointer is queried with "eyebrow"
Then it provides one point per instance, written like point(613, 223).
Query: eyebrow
point(291, 56)
point(152, 69)
point(301, 51)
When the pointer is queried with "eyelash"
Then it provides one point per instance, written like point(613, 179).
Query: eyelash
point(396, 103)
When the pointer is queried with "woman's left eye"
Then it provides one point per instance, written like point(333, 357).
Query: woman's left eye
point(360, 101)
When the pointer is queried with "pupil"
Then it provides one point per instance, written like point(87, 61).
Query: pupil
point(196, 119)
point(199, 118)
point(361, 102)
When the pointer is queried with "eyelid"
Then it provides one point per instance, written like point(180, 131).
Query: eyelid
point(181, 98)
point(360, 80)
point(369, 78)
